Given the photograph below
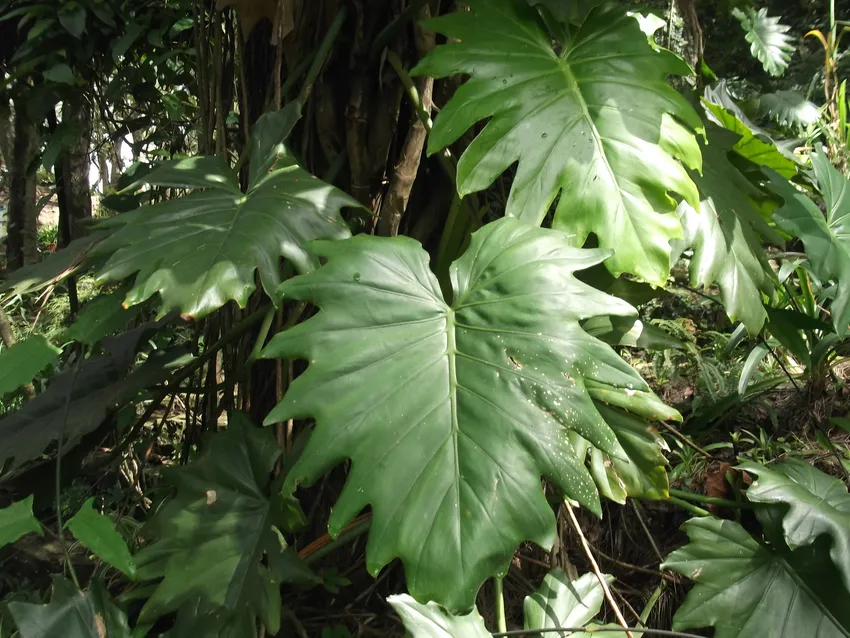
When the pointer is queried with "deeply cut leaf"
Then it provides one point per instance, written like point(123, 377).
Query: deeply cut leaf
point(826, 239)
point(593, 124)
point(202, 250)
point(17, 520)
point(97, 533)
point(745, 590)
point(726, 234)
point(769, 41)
point(212, 537)
point(789, 108)
point(817, 504)
point(20, 363)
point(451, 413)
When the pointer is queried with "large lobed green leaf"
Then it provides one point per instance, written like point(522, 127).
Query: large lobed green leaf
point(726, 233)
point(768, 38)
point(748, 590)
point(452, 412)
point(596, 123)
point(17, 520)
point(202, 250)
point(826, 239)
point(212, 538)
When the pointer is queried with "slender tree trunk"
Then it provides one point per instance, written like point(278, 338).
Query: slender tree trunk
point(22, 231)
point(75, 171)
point(6, 140)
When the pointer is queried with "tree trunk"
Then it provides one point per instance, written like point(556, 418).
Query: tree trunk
point(22, 230)
point(75, 166)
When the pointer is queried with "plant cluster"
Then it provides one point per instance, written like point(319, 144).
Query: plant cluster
point(467, 391)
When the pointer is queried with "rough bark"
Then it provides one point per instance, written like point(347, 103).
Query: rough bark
point(22, 224)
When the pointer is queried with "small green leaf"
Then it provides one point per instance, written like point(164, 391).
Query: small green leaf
point(40, 27)
point(181, 25)
point(17, 520)
point(561, 603)
point(769, 41)
point(20, 363)
point(72, 16)
point(842, 422)
point(61, 73)
point(134, 30)
point(100, 317)
point(782, 325)
point(432, 621)
point(97, 533)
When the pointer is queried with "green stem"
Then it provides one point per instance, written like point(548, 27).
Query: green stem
point(322, 53)
point(499, 591)
point(708, 500)
point(693, 509)
point(264, 332)
point(343, 539)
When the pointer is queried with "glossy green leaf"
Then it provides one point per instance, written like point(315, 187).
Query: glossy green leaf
point(817, 504)
point(726, 233)
point(212, 537)
point(72, 16)
point(20, 363)
point(789, 108)
point(97, 533)
point(561, 603)
point(592, 124)
point(101, 384)
point(101, 317)
point(452, 412)
point(18, 520)
point(71, 614)
point(432, 621)
point(769, 41)
point(267, 137)
point(202, 250)
point(826, 239)
point(747, 590)
point(753, 145)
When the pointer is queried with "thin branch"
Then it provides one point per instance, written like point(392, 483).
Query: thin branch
point(595, 630)
point(607, 591)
